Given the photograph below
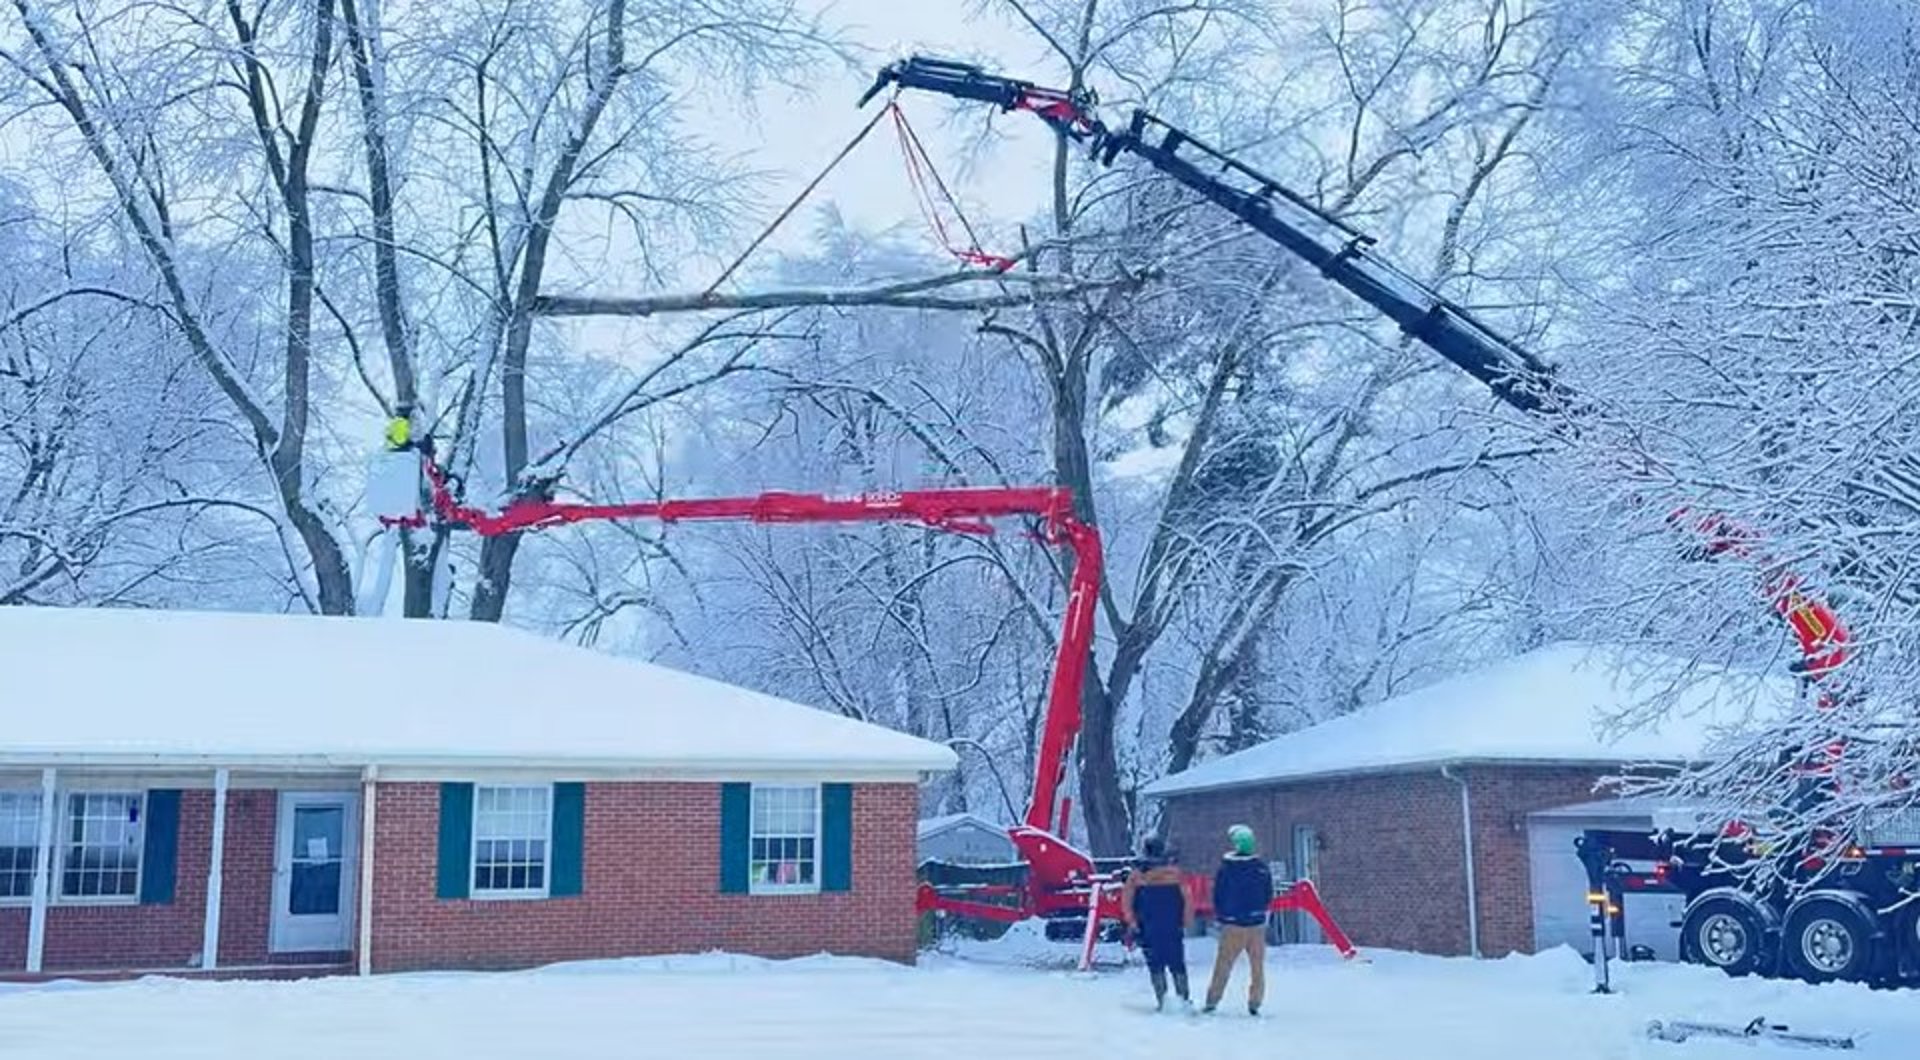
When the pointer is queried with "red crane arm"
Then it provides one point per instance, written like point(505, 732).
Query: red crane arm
point(1817, 630)
point(959, 510)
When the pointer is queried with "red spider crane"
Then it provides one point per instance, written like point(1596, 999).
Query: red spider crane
point(1061, 880)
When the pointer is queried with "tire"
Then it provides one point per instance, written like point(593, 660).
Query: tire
point(1832, 936)
point(1728, 931)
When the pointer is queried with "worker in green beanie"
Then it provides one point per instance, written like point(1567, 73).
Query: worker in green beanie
point(1242, 892)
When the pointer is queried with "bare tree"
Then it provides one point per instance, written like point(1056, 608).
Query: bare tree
point(128, 137)
point(1752, 321)
point(1254, 481)
point(423, 199)
point(106, 441)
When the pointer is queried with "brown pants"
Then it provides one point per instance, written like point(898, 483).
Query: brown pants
point(1234, 941)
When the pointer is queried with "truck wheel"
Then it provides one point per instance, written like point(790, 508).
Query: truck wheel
point(1727, 932)
point(1831, 935)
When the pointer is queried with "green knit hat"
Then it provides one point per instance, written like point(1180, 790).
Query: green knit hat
point(1241, 837)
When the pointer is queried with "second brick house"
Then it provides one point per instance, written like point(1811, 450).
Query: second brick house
point(1401, 811)
point(252, 794)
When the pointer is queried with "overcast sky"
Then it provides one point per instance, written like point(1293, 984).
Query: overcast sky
point(792, 134)
point(799, 135)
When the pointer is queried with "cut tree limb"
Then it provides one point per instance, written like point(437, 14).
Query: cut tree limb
point(1015, 289)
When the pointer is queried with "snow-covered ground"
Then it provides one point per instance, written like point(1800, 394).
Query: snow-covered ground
point(988, 1002)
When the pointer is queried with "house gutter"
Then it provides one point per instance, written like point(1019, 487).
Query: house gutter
point(458, 766)
point(1466, 840)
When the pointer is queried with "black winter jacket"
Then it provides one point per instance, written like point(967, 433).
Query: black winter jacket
point(1156, 902)
point(1242, 890)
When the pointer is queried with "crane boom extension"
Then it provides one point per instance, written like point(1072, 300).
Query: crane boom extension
point(1345, 256)
point(1341, 253)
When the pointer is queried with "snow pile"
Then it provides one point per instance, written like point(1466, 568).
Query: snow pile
point(166, 686)
point(1550, 705)
point(712, 1005)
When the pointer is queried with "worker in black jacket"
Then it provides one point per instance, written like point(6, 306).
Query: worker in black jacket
point(1158, 912)
point(1242, 891)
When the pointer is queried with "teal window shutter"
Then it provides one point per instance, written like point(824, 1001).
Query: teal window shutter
point(456, 840)
point(736, 817)
point(569, 839)
point(160, 847)
point(836, 837)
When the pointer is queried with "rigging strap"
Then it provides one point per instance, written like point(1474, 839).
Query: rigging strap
point(925, 179)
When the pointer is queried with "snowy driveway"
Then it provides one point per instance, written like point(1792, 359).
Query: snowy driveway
point(712, 1006)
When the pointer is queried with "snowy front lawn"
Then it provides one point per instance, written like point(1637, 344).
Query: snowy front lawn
point(1318, 1008)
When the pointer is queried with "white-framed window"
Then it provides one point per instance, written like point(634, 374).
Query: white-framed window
point(100, 846)
point(784, 840)
point(512, 838)
point(19, 843)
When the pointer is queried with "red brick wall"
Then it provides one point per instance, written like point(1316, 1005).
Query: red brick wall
point(650, 885)
point(1392, 862)
point(101, 937)
point(1502, 798)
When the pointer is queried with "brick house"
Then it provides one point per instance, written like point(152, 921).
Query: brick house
point(253, 794)
point(1399, 811)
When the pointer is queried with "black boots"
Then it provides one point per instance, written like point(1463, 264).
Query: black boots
point(1159, 977)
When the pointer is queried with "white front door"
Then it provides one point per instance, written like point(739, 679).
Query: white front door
point(315, 870)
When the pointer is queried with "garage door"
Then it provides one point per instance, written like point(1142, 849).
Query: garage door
point(1560, 895)
point(1559, 886)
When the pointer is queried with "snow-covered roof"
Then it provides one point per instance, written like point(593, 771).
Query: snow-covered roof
point(1551, 705)
point(173, 687)
point(931, 826)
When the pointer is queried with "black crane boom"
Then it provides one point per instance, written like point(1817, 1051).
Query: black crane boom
point(1340, 252)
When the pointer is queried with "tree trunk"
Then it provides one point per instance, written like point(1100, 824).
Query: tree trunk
point(363, 46)
point(1101, 804)
point(418, 571)
point(496, 577)
point(496, 556)
point(1109, 826)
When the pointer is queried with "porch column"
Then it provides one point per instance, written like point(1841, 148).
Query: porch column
point(210, 925)
point(42, 875)
point(369, 789)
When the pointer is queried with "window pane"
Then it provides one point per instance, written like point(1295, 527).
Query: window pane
point(318, 833)
point(102, 854)
point(314, 888)
point(785, 823)
point(19, 819)
point(19, 842)
point(510, 838)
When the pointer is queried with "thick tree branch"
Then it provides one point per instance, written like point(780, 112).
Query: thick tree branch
point(906, 294)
